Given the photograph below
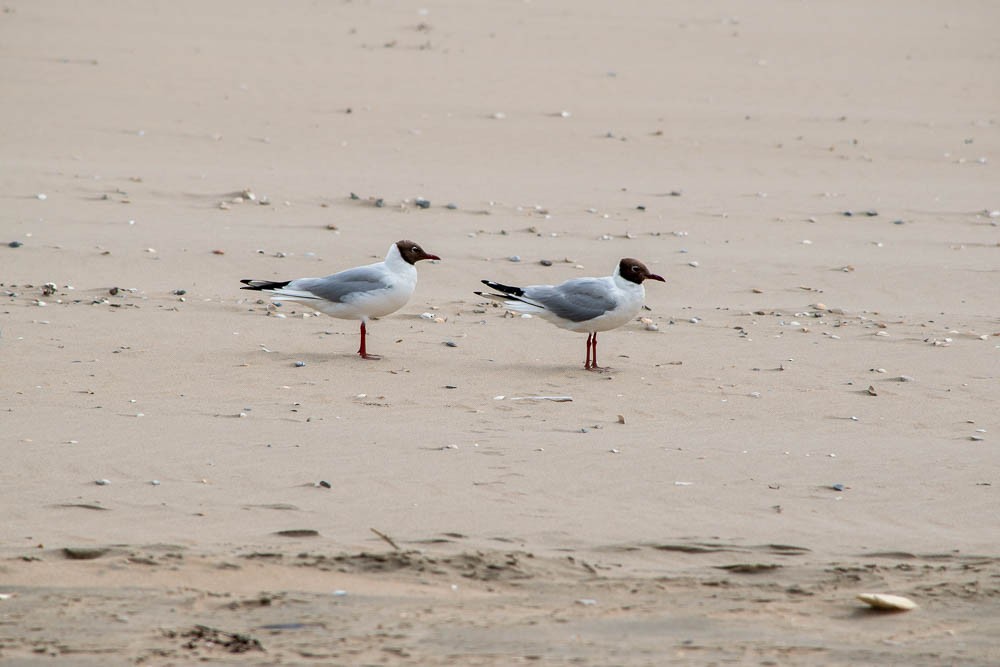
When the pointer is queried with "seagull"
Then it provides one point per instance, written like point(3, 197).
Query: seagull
point(374, 290)
point(586, 305)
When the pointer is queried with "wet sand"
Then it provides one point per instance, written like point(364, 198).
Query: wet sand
point(813, 417)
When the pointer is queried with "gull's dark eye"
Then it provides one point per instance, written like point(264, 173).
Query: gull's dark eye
point(415, 249)
point(635, 269)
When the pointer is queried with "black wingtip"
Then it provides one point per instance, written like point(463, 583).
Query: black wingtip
point(261, 285)
point(506, 289)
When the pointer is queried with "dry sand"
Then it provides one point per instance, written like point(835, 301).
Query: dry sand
point(704, 529)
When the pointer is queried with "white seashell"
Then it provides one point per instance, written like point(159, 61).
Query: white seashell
point(884, 601)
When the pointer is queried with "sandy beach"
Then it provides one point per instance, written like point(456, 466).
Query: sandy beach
point(808, 412)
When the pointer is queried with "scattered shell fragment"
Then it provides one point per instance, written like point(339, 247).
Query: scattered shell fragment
point(102, 482)
point(555, 399)
point(887, 602)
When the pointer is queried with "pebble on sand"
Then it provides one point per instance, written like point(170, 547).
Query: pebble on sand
point(887, 602)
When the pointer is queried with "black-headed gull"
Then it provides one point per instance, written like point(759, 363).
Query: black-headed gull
point(586, 305)
point(374, 290)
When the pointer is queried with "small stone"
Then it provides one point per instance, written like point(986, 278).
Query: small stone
point(102, 482)
point(41, 196)
point(15, 244)
point(450, 206)
point(84, 553)
point(422, 203)
point(871, 390)
point(451, 343)
point(300, 364)
point(325, 484)
point(545, 262)
point(694, 263)
point(514, 258)
point(298, 532)
point(837, 487)
point(180, 292)
point(155, 482)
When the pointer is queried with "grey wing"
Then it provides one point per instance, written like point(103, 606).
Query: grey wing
point(342, 286)
point(576, 300)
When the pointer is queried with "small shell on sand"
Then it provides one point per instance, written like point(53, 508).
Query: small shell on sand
point(888, 602)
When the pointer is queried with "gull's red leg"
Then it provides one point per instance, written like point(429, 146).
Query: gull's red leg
point(586, 364)
point(361, 350)
point(592, 356)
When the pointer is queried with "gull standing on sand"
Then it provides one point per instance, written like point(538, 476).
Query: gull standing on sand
point(374, 290)
point(586, 305)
